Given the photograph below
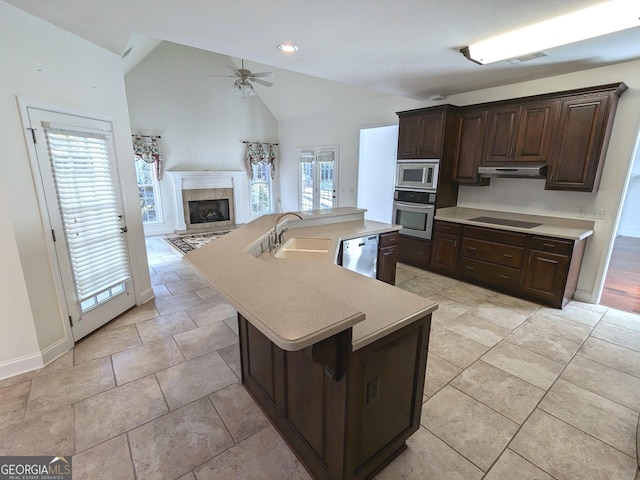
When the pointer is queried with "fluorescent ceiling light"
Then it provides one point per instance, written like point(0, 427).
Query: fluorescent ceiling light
point(591, 22)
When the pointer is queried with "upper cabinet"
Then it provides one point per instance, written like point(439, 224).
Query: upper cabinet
point(519, 133)
point(580, 139)
point(469, 141)
point(420, 134)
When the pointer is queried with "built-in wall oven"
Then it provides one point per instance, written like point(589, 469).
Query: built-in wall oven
point(414, 211)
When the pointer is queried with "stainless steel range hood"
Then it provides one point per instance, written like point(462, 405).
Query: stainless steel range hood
point(514, 171)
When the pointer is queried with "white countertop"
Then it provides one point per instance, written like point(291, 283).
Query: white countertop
point(296, 303)
point(568, 228)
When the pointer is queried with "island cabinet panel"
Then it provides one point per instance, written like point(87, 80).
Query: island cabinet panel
point(469, 147)
point(388, 257)
point(414, 251)
point(345, 414)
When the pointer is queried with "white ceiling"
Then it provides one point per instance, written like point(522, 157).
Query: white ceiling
point(408, 48)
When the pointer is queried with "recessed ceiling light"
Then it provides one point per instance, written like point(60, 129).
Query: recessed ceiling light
point(287, 47)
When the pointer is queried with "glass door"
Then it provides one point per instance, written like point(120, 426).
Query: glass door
point(318, 178)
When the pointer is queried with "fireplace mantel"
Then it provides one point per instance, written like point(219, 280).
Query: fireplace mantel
point(200, 179)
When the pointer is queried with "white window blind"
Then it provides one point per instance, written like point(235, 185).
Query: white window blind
point(89, 207)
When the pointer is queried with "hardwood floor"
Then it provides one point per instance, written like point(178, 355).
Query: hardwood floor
point(622, 284)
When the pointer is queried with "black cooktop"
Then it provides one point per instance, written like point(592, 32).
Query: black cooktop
point(505, 221)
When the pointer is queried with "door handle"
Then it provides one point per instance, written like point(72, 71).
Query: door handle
point(124, 229)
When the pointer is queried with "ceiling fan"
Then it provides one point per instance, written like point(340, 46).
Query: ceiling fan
point(242, 85)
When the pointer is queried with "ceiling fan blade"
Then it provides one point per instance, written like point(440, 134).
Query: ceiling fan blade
point(262, 74)
point(233, 69)
point(226, 76)
point(261, 82)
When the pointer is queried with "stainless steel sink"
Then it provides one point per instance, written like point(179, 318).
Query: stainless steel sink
point(304, 248)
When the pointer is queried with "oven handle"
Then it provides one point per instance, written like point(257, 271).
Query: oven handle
point(416, 207)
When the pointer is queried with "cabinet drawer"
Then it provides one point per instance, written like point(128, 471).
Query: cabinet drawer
point(413, 251)
point(388, 239)
point(552, 245)
point(448, 227)
point(498, 236)
point(506, 255)
point(496, 276)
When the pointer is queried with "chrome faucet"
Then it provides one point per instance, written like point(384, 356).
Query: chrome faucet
point(275, 237)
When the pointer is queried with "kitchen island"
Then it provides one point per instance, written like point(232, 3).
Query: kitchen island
point(335, 359)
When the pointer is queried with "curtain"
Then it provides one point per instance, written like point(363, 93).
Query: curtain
point(146, 149)
point(260, 152)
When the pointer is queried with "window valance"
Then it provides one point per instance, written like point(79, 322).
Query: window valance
point(145, 148)
point(261, 152)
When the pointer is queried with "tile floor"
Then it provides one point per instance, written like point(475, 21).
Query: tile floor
point(513, 390)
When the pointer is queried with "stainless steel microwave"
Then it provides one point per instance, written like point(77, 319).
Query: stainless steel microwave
point(417, 174)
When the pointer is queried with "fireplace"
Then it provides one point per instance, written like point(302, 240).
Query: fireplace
point(208, 200)
point(208, 211)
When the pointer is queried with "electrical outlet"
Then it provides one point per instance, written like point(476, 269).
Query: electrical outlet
point(597, 214)
point(581, 212)
point(478, 203)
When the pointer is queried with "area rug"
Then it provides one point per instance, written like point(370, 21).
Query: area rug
point(187, 243)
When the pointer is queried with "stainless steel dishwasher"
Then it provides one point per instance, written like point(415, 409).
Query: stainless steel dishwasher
point(361, 255)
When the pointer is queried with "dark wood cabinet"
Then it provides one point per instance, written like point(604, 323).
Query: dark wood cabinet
point(345, 413)
point(420, 135)
point(388, 257)
point(446, 247)
point(519, 133)
point(581, 138)
point(414, 251)
point(470, 138)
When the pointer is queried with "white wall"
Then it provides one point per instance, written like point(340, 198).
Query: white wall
point(201, 121)
point(342, 126)
point(47, 64)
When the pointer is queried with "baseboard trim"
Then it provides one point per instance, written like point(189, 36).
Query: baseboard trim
point(583, 296)
point(146, 295)
point(20, 365)
point(56, 350)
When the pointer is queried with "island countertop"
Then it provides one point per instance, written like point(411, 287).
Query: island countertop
point(298, 302)
point(568, 228)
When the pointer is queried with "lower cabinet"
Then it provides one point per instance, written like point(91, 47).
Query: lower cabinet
point(388, 257)
point(414, 251)
point(345, 414)
point(446, 247)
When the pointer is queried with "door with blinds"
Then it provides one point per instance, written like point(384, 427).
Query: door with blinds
point(318, 178)
point(77, 169)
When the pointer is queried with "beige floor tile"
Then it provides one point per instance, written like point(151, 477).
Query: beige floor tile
point(420, 286)
point(567, 453)
point(481, 331)
point(52, 391)
point(439, 373)
point(590, 306)
point(517, 305)
point(187, 272)
point(105, 342)
point(184, 285)
point(162, 277)
point(574, 331)
point(454, 348)
point(47, 434)
point(164, 326)
point(528, 366)
point(612, 355)
point(160, 291)
point(624, 319)
point(194, 379)
point(619, 335)
point(512, 466)
point(262, 456)
point(575, 313)
point(470, 293)
point(232, 323)
point(471, 428)
point(407, 272)
point(544, 343)
point(116, 411)
point(175, 303)
point(60, 363)
point(174, 444)
point(188, 476)
point(13, 403)
point(171, 265)
point(209, 338)
point(239, 412)
point(498, 315)
point(449, 307)
point(231, 355)
point(606, 420)
point(108, 461)
point(428, 457)
point(136, 314)
point(211, 313)
point(605, 381)
point(209, 295)
point(512, 397)
point(146, 359)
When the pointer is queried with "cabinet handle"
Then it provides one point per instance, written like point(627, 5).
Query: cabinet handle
point(420, 253)
point(530, 257)
point(444, 227)
point(455, 243)
point(469, 268)
point(517, 152)
point(550, 245)
point(473, 249)
point(511, 152)
point(506, 255)
point(506, 277)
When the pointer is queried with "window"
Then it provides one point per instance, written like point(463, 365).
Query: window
point(148, 191)
point(317, 178)
point(261, 189)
